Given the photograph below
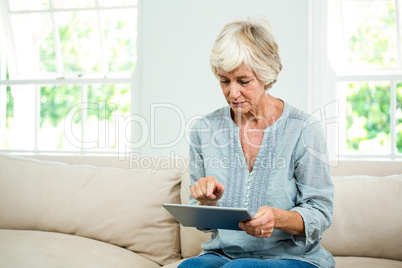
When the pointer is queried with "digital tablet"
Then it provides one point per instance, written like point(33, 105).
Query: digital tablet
point(209, 217)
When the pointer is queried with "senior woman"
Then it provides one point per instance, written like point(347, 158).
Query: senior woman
point(259, 153)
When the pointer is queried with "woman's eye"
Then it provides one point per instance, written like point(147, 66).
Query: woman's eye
point(244, 82)
point(224, 81)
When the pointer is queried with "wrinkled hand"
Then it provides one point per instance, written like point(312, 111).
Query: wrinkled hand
point(207, 190)
point(264, 220)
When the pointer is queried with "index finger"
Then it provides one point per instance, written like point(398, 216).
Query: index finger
point(211, 185)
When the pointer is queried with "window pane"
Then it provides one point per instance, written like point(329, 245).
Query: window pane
point(115, 3)
point(370, 34)
point(2, 59)
point(368, 118)
point(6, 119)
point(16, 5)
point(59, 4)
point(80, 42)
point(399, 116)
point(19, 130)
point(105, 104)
point(58, 103)
point(47, 52)
point(120, 32)
point(33, 41)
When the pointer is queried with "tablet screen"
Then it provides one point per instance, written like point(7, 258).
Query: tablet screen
point(209, 217)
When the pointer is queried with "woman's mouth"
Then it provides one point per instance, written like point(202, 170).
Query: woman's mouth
point(239, 103)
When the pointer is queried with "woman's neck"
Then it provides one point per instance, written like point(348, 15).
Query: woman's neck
point(265, 114)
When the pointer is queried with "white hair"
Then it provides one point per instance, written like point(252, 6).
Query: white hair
point(250, 42)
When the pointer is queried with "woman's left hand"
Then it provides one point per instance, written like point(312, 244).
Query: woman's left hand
point(263, 223)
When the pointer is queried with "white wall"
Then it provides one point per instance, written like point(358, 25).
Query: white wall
point(177, 36)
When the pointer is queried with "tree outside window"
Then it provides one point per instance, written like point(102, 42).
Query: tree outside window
point(371, 46)
point(60, 43)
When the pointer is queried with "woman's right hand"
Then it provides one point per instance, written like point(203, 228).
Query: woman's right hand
point(207, 190)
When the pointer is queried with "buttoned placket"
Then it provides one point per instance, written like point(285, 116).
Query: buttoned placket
point(248, 190)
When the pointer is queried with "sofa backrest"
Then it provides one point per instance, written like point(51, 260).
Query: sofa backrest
point(130, 160)
point(357, 230)
point(118, 206)
point(367, 217)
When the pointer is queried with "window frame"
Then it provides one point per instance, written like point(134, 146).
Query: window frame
point(82, 79)
point(325, 74)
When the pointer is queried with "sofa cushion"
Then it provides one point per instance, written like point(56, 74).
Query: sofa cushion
point(367, 217)
point(174, 264)
point(361, 262)
point(342, 262)
point(190, 238)
point(20, 248)
point(118, 206)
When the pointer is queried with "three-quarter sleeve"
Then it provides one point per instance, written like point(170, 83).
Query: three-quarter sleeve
point(315, 197)
point(196, 166)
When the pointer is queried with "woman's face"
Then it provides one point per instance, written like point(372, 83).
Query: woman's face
point(242, 89)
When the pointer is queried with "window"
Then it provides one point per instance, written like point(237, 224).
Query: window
point(66, 74)
point(360, 43)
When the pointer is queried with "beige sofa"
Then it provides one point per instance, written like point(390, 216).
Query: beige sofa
point(109, 213)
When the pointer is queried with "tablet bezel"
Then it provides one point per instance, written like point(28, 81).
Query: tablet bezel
point(208, 217)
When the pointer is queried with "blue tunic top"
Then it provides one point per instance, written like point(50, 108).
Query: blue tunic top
point(291, 172)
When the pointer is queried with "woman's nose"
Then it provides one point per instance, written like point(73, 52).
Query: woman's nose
point(234, 91)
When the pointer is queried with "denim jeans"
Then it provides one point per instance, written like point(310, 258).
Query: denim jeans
point(211, 260)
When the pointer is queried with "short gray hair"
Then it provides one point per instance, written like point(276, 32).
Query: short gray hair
point(250, 42)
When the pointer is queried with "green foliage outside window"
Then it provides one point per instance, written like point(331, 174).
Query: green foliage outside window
point(369, 103)
point(80, 43)
point(47, 54)
point(80, 53)
point(9, 106)
point(374, 42)
point(56, 102)
point(120, 50)
point(103, 103)
point(108, 99)
point(368, 117)
point(399, 117)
